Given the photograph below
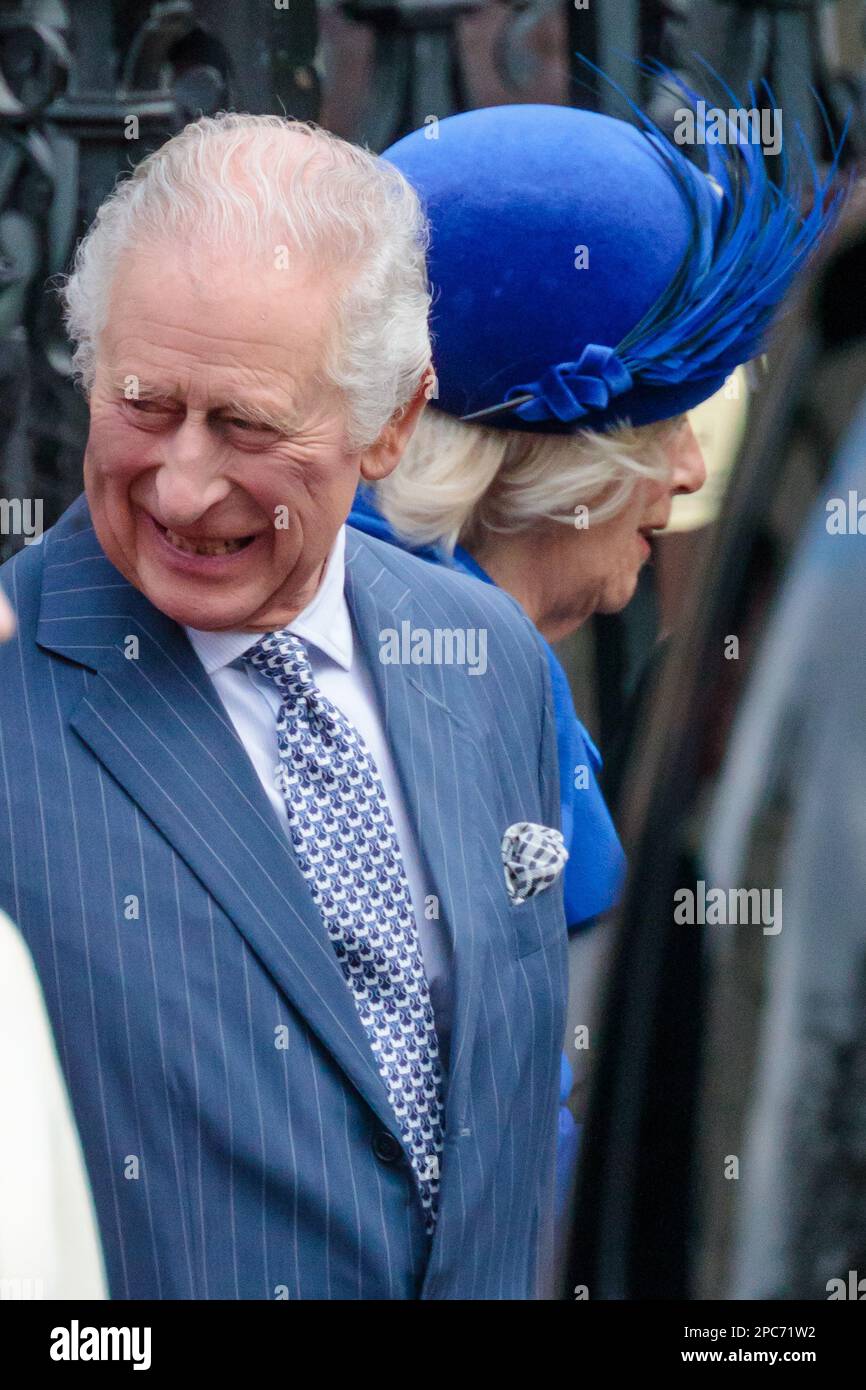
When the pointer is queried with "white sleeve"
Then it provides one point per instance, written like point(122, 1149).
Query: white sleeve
point(49, 1245)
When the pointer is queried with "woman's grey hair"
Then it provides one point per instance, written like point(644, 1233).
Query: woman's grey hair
point(457, 481)
point(240, 182)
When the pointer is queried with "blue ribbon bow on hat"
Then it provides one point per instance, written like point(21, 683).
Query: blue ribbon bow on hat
point(571, 389)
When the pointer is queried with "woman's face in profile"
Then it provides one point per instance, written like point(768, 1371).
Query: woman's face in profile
point(7, 620)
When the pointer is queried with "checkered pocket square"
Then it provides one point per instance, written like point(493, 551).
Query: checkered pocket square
point(533, 857)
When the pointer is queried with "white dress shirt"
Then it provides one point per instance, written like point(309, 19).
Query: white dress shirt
point(253, 703)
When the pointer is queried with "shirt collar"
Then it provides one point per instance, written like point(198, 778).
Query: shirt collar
point(324, 623)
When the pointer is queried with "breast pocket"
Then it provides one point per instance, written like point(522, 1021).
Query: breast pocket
point(539, 921)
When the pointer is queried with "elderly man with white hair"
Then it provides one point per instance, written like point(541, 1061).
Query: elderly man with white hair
point(296, 905)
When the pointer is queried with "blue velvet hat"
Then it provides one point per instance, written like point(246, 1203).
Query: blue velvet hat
point(586, 273)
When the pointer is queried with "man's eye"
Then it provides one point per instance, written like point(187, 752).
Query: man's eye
point(249, 426)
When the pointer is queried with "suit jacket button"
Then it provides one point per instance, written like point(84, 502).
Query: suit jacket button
point(386, 1148)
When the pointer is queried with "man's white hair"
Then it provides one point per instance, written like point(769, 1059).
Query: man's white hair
point(255, 184)
point(456, 481)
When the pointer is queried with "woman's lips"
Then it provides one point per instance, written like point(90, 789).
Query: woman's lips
point(648, 534)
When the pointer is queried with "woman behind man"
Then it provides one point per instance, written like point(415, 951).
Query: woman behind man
point(590, 286)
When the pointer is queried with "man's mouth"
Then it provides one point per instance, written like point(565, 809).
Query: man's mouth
point(200, 545)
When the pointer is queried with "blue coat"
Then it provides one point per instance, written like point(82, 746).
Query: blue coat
point(595, 869)
point(596, 866)
point(237, 1133)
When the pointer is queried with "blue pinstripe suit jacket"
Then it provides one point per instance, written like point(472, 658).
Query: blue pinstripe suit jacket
point(238, 1136)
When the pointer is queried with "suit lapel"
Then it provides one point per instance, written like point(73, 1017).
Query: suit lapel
point(441, 777)
point(154, 720)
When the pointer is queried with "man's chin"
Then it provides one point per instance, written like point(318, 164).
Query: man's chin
point(214, 614)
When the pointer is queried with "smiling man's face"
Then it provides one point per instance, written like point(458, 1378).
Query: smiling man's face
point(217, 469)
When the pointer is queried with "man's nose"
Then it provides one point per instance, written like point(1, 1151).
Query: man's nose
point(689, 472)
point(187, 482)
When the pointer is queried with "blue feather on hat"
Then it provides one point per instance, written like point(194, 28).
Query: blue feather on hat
point(745, 253)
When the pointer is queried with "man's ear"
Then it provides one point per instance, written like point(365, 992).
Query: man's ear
point(382, 457)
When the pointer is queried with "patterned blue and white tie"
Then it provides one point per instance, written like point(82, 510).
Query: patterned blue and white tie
point(347, 850)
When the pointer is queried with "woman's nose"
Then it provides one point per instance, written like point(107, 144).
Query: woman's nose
point(688, 472)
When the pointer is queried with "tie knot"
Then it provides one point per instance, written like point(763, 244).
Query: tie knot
point(282, 657)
